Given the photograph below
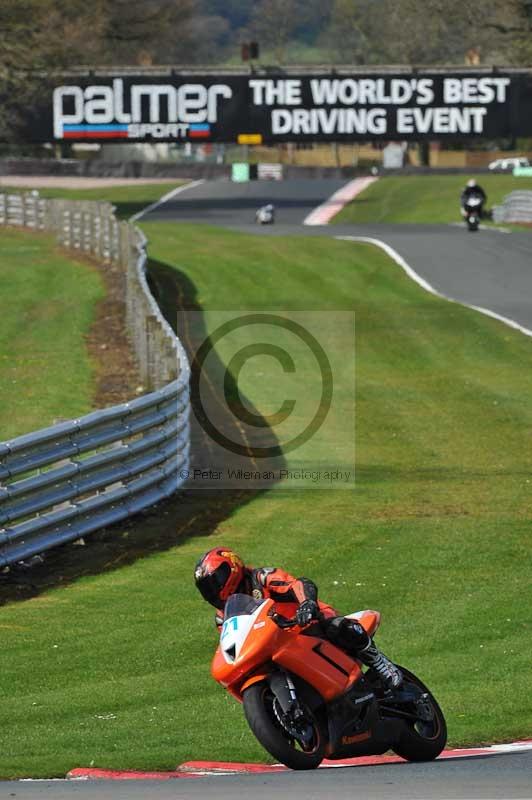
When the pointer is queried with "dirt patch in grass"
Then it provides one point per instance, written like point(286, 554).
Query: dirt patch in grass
point(117, 374)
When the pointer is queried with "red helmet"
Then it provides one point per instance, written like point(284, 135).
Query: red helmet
point(218, 574)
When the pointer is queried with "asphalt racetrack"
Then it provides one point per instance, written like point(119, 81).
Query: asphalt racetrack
point(223, 202)
point(489, 269)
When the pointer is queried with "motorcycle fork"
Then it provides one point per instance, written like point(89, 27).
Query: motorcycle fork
point(283, 688)
point(294, 717)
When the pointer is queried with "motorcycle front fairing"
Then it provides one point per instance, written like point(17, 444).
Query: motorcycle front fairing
point(240, 655)
point(251, 643)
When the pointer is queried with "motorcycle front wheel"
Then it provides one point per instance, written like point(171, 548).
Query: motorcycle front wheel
point(422, 740)
point(265, 719)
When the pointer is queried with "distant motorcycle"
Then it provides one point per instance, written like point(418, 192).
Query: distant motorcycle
point(265, 215)
point(472, 211)
point(305, 699)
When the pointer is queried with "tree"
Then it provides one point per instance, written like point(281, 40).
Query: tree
point(408, 32)
point(510, 23)
point(274, 22)
point(236, 13)
point(154, 27)
point(435, 31)
point(349, 36)
point(204, 40)
point(37, 36)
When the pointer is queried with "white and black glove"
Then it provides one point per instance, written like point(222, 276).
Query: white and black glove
point(307, 611)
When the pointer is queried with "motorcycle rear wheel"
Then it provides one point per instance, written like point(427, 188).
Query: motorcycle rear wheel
point(260, 711)
point(422, 741)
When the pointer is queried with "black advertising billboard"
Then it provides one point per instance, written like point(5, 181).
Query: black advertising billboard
point(279, 108)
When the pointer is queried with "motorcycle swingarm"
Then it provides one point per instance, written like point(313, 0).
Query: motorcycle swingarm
point(401, 696)
point(393, 705)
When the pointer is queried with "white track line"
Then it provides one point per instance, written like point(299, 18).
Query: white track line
point(427, 286)
point(165, 199)
point(481, 227)
point(323, 214)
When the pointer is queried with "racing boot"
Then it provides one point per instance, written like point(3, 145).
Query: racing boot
point(371, 656)
point(350, 635)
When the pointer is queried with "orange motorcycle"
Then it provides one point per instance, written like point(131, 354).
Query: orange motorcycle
point(306, 700)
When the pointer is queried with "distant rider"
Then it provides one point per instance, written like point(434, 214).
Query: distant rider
point(265, 214)
point(221, 573)
point(471, 188)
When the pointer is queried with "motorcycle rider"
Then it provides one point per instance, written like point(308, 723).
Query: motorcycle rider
point(221, 573)
point(471, 188)
point(265, 214)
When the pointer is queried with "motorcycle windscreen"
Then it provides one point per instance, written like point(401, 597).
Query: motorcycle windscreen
point(239, 605)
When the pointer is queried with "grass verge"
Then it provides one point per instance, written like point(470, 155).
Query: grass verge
point(47, 304)
point(114, 669)
point(423, 198)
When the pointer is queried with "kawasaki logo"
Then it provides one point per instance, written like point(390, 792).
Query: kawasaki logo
point(359, 737)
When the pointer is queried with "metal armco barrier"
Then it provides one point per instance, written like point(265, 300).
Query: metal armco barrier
point(63, 482)
point(516, 207)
